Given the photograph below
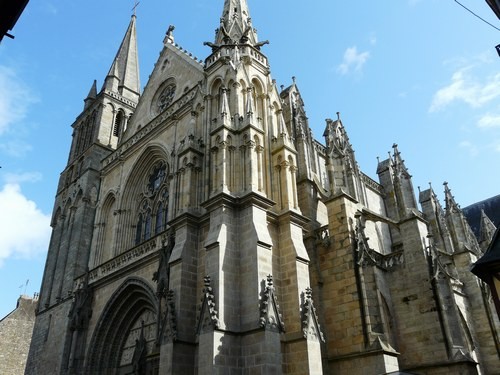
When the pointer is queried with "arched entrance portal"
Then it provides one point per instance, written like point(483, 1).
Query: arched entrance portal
point(124, 339)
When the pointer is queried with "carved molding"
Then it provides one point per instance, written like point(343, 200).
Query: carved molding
point(122, 260)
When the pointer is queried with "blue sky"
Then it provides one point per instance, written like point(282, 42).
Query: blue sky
point(420, 73)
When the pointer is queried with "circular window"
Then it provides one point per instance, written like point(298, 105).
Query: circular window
point(156, 178)
point(165, 98)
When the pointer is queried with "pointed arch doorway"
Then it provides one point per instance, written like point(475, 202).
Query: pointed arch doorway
point(123, 342)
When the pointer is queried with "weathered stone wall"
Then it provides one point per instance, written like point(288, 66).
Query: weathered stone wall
point(15, 336)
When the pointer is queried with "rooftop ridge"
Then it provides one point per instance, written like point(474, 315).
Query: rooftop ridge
point(185, 51)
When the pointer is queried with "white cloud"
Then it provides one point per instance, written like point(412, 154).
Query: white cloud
point(489, 121)
point(16, 179)
point(24, 229)
point(353, 60)
point(15, 148)
point(467, 89)
point(15, 98)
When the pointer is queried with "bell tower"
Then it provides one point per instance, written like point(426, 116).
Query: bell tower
point(96, 133)
point(253, 195)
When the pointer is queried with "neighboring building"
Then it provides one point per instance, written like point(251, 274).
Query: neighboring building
point(15, 336)
point(199, 228)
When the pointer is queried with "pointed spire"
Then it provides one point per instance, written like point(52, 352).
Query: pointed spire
point(235, 24)
point(92, 95)
point(398, 163)
point(336, 137)
point(451, 204)
point(123, 76)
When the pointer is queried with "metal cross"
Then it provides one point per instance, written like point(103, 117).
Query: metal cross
point(135, 6)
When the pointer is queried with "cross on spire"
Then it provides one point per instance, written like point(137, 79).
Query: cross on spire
point(136, 4)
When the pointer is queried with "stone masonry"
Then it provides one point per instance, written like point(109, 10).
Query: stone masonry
point(199, 228)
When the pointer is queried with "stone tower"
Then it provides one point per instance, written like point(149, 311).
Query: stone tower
point(199, 228)
point(60, 328)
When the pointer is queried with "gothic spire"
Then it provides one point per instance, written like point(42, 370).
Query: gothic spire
point(123, 76)
point(398, 163)
point(451, 204)
point(235, 24)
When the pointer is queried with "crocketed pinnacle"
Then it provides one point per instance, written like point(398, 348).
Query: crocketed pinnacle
point(451, 204)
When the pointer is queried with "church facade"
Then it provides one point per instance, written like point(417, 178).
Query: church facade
point(199, 228)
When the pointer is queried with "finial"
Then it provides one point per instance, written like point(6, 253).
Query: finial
point(136, 4)
point(338, 116)
point(207, 280)
point(308, 293)
point(270, 282)
point(293, 79)
point(282, 87)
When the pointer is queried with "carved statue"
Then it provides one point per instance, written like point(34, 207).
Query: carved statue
point(140, 352)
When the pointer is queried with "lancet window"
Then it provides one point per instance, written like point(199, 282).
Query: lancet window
point(119, 120)
point(152, 213)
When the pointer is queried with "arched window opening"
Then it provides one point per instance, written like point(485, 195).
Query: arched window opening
point(147, 225)
point(159, 219)
point(164, 198)
point(138, 232)
point(152, 210)
point(117, 128)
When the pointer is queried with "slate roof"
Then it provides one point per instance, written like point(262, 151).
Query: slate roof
point(491, 207)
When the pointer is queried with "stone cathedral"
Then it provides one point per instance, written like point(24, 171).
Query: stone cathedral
point(199, 228)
